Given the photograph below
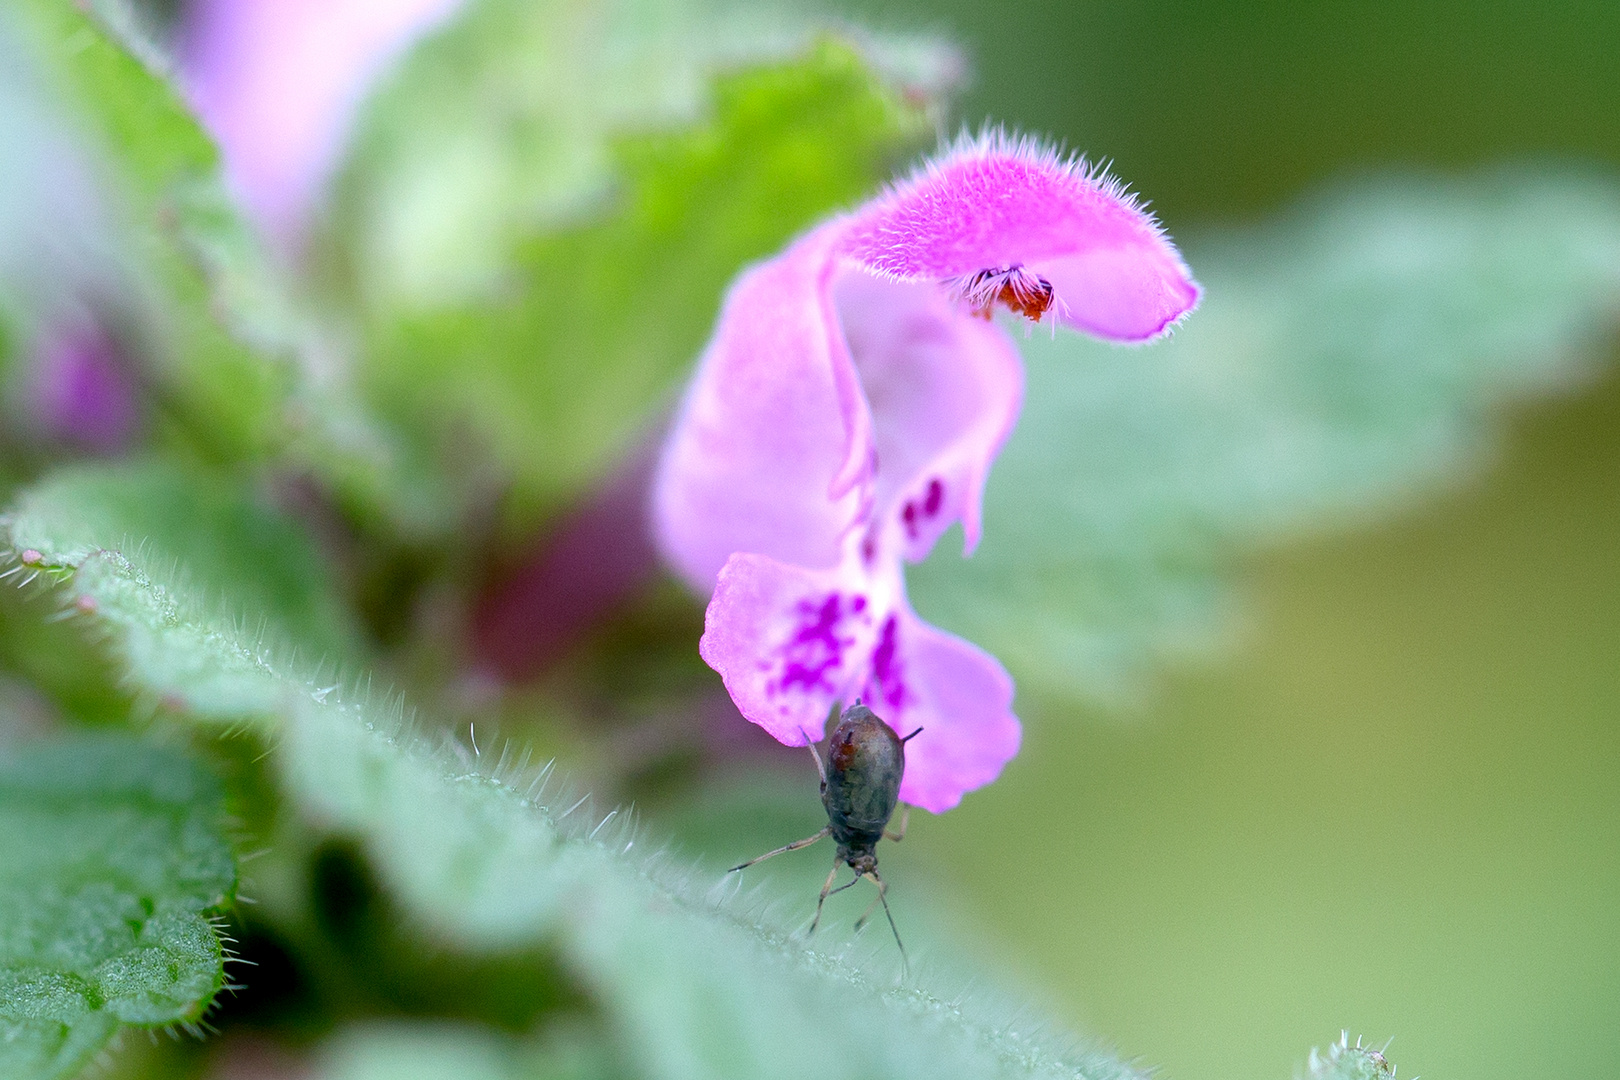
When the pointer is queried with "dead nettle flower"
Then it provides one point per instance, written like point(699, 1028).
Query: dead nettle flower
point(846, 413)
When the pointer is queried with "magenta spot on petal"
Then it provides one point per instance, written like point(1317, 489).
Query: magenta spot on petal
point(815, 648)
point(887, 676)
point(909, 516)
point(935, 496)
point(868, 549)
point(858, 604)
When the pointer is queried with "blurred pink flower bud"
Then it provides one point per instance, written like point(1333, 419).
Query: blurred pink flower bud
point(847, 412)
point(277, 83)
point(81, 392)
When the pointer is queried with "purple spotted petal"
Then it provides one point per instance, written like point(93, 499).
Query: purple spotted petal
point(958, 694)
point(277, 81)
point(996, 214)
point(759, 456)
point(791, 643)
point(788, 642)
point(944, 389)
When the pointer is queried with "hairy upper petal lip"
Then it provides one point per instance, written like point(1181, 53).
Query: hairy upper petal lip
point(1045, 234)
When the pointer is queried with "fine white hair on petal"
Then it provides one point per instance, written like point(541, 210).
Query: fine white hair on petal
point(1004, 219)
point(993, 139)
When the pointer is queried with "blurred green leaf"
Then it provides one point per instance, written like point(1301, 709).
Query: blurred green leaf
point(116, 213)
point(150, 179)
point(398, 1052)
point(694, 980)
point(555, 368)
point(661, 181)
point(197, 578)
point(235, 550)
point(1344, 359)
point(56, 231)
point(419, 1052)
point(112, 857)
point(507, 124)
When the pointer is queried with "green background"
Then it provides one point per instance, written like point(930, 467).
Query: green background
point(1394, 804)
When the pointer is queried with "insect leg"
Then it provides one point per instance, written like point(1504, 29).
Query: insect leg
point(795, 846)
point(905, 819)
point(850, 884)
point(822, 899)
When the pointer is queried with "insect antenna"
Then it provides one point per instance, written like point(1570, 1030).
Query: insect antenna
point(905, 964)
point(826, 830)
point(810, 744)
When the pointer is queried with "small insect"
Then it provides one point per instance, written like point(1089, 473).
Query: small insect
point(860, 785)
point(1027, 294)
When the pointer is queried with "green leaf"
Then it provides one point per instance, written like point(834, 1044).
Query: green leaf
point(398, 1052)
point(116, 210)
point(1344, 359)
point(143, 122)
point(1345, 1062)
point(695, 980)
point(235, 551)
point(593, 322)
point(112, 856)
point(506, 125)
point(55, 224)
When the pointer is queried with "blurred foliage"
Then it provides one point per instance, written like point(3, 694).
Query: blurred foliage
point(555, 368)
point(1344, 358)
point(230, 546)
point(1394, 806)
point(113, 856)
point(1221, 111)
point(428, 1053)
point(521, 118)
point(133, 267)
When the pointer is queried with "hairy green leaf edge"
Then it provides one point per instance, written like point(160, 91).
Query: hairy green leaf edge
point(699, 980)
point(1345, 1062)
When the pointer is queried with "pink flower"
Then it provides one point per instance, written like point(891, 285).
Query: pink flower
point(277, 82)
point(846, 413)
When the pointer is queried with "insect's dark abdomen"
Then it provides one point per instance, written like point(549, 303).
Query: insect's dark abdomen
point(865, 760)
